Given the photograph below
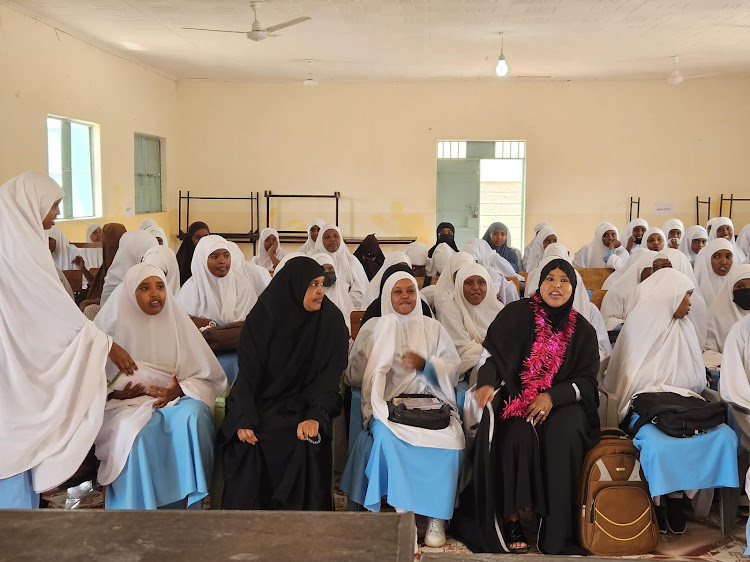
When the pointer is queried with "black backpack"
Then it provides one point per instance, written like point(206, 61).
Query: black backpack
point(674, 414)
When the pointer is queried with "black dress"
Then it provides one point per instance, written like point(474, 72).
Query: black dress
point(290, 366)
point(513, 464)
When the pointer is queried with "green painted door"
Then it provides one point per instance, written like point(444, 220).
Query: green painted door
point(457, 194)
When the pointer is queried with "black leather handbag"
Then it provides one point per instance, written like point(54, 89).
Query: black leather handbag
point(405, 409)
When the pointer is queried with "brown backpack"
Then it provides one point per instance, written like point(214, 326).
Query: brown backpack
point(617, 516)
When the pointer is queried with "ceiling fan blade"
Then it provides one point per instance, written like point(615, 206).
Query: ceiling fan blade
point(286, 24)
point(217, 30)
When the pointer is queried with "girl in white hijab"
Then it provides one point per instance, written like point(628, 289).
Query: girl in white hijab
point(615, 302)
point(743, 240)
point(693, 242)
point(597, 253)
point(637, 242)
point(497, 267)
point(419, 257)
point(443, 289)
point(218, 295)
point(156, 443)
point(93, 257)
point(543, 239)
point(466, 318)
point(158, 233)
point(64, 252)
point(415, 468)
point(712, 268)
point(336, 289)
point(133, 246)
point(526, 251)
point(348, 268)
point(730, 306)
point(723, 227)
point(258, 276)
point(313, 230)
point(581, 301)
point(270, 252)
point(373, 288)
point(164, 258)
point(675, 231)
point(52, 391)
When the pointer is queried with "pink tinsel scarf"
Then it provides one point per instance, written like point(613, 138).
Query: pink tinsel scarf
point(546, 357)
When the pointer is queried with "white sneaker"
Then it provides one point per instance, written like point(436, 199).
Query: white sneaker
point(435, 535)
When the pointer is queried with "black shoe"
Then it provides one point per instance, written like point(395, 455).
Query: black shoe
point(513, 534)
point(661, 518)
point(676, 521)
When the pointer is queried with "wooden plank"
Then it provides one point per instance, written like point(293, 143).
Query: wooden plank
point(75, 278)
point(530, 557)
point(516, 282)
point(157, 536)
point(597, 295)
point(356, 322)
point(87, 244)
point(594, 277)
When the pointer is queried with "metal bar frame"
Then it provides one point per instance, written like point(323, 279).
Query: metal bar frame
point(637, 203)
point(698, 204)
point(270, 195)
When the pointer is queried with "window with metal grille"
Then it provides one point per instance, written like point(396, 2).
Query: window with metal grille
point(148, 174)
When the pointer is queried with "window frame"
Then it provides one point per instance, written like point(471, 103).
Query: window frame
point(139, 173)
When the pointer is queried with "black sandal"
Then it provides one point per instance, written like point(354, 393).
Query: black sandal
point(514, 533)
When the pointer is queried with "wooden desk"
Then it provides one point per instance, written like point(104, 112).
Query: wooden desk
point(159, 536)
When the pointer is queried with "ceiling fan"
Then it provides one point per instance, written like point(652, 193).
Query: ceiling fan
point(258, 32)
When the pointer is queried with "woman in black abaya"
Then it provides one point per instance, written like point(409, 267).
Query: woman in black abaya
point(543, 357)
point(276, 436)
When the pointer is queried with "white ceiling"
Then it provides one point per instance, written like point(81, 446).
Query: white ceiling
point(415, 39)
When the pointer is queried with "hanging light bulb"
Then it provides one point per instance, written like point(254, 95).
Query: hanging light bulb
point(502, 68)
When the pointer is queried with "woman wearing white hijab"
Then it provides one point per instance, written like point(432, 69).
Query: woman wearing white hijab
point(64, 252)
point(730, 306)
point(631, 232)
point(604, 250)
point(723, 227)
point(156, 443)
point(348, 267)
point(217, 295)
point(675, 231)
point(419, 257)
point(133, 246)
point(443, 289)
point(336, 289)
point(693, 242)
point(466, 318)
point(373, 288)
point(743, 240)
point(93, 257)
point(615, 302)
point(415, 468)
point(581, 301)
point(497, 267)
point(544, 238)
point(258, 276)
point(52, 391)
point(164, 258)
point(537, 229)
point(712, 268)
point(158, 233)
point(658, 351)
point(270, 252)
point(313, 230)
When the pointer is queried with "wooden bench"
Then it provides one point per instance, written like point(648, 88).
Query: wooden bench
point(75, 279)
point(594, 277)
point(516, 282)
point(597, 295)
point(356, 322)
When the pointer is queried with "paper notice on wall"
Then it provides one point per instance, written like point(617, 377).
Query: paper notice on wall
point(129, 213)
point(664, 209)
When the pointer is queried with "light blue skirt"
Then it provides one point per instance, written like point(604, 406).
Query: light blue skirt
point(228, 362)
point(171, 459)
point(673, 464)
point(418, 479)
point(17, 492)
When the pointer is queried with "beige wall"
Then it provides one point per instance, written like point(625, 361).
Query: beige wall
point(47, 72)
point(590, 145)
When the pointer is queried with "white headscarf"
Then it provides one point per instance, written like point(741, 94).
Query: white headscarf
point(90, 230)
point(169, 343)
point(147, 223)
point(698, 310)
point(615, 302)
point(709, 283)
point(441, 257)
point(417, 253)
point(696, 231)
point(308, 247)
point(133, 246)
point(655, 348)
point(258, 276)
point(52, 388)
point(724, 312)
point(285, 260)
point(222, 299)
point(743, 240)
point(445, 285)
point(592, 254)
point(157, 232)
point(263, 259)
point(164, 258)
point(537, 229)
point(385, 376)
point(488, 257)
point(649, 232)
point(710, 223)
point(536, 249)
point(92, 257)
point(739, 255)
point(735, 368)
point(672, 224)
point(338, 293)
point(629, 232)
point(65, 252)
point(373, 288)
point(348, 268)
